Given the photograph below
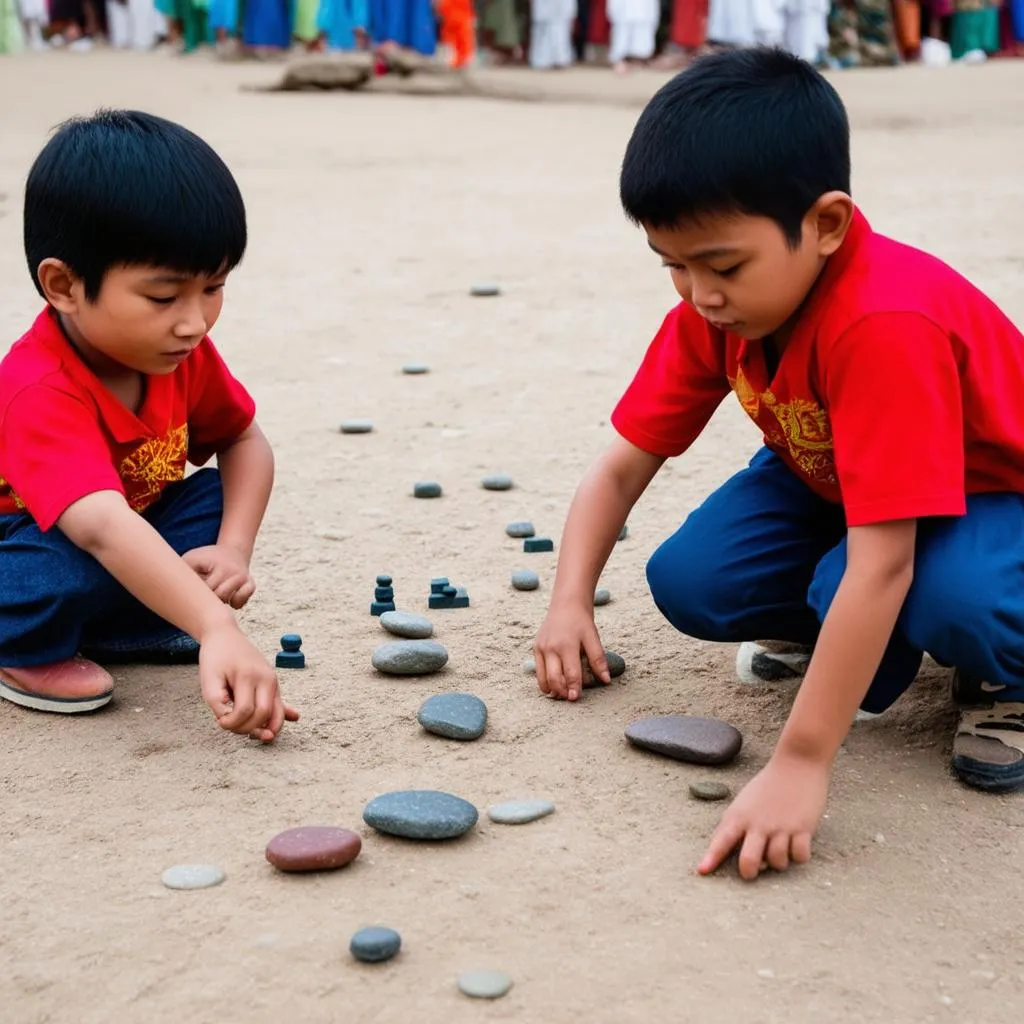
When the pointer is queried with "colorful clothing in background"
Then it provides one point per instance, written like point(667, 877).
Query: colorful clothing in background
point(267, 24)
point(862, 34)
point(409, 23)
point(551, 33)
point(338, 21)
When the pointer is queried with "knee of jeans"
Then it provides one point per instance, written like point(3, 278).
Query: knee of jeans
point(690, 592)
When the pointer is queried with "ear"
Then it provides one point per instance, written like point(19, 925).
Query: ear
point(830, 218)
point(61, 286)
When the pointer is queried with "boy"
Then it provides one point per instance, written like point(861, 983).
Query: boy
point(884, 517)
point(132, 225)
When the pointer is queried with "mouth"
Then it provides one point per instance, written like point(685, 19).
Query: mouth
point(179, 354)
point(723, 325)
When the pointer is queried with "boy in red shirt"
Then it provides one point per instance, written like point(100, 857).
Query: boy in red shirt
point(132, 225)
point(883, 517)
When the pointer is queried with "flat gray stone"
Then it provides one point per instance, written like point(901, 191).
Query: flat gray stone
point(520, 812)
point(410, 657)
point(710, 791)
point(426, 489)
point(520, 530)
point(458, 716)
point(415, 369)
point(687, 738)
point(624, 532)
point(407, 625)
point(192, 876)
point(375, 945)
point(497, 482)
point(420, 814)
point(602, 596)
point(484, 290)
point(525, 579)
point(616, 666)
point(356, 426)
point(484, 984)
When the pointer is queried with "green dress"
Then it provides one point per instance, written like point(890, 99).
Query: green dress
point(11, 38)
point(304, 22)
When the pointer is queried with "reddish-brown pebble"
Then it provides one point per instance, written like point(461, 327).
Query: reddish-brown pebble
point(313, 848)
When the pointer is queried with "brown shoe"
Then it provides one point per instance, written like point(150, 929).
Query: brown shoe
point(988, 749)
point(66, 687)
point(772, 661)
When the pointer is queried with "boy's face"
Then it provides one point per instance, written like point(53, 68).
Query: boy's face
point(739, 272)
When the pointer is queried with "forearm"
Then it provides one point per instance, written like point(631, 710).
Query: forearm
point(247, 476)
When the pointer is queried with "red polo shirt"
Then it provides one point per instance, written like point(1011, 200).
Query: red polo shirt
point(63, 435)
point(898, 393)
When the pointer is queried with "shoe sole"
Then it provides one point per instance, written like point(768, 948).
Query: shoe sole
point(60, 705)
point(989, 777)
point(755, 667)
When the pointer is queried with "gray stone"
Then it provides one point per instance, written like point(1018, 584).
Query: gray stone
point(420, 814)
point(415, 369)
point(484, 290)
point(410, 657)
point(497, 482)
point(687, 738)
point(525, 579)
point(484, 984)
point(710, 790)
point(530, 666)
point(356, 426)
point(407, 625)
point(624, 532)
point(520, 812)
point(602, 596)
point(458, 716)
point(375, 945)
point(616, 666)
point(520, 530)
point(192, 876)
point(426, 489)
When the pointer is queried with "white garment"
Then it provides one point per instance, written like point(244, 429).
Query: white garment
point(134, 24)
point(34, 10)
point(551, 33)
point(799, 26)
point(634, 25)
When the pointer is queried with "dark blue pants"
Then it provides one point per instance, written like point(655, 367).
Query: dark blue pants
point(762, 559)
point(57, 600)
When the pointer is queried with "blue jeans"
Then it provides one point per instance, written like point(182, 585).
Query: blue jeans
point(762, 559)
point(57, 600)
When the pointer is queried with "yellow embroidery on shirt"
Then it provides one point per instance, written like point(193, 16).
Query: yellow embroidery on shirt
point(153, 465)
point(18, 503)
point(746, 394)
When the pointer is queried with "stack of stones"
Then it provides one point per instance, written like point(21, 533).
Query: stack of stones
point(383, 596)
point(444, 595)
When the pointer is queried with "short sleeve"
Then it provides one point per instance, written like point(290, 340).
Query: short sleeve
point(53, 452)
point(895, 404)
point(220, 409)
point(680, 383)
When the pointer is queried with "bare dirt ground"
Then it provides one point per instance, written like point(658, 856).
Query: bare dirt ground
point(370, 216)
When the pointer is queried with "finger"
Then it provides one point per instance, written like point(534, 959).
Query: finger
point(595, 655)
point(778, 851)
point(276, 716)
point(572, 669)
point(800, 848)
point(751, 861)
point(556, 677)
point(243, 593)
point(290, 714)
point(723, 842)
point(238, 719)
point(540, 669)
point(226, 586)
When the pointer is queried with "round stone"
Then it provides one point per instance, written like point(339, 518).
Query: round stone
point(426, 489)
point(687, 738)
point(457, 716)
point(602, 596)
point(192, 876)
point(409, 657)
point(484, 984)
point(710, 791)
point(420, 814)
point(356, 426)
point(375, 945)
point(616, 666)
point(530, 666)
point(291, 642)
point(484, 290)
point(407, 625)
point(415, 369)
point(497, 482)
point(624, 532)
point(520, 812)
point(520, 530)
point(313, 848)
point(525, 579)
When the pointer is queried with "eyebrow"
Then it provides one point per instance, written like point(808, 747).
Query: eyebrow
point(703, 254)
point(168, 279)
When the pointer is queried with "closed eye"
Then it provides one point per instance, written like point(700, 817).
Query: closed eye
point(673, 266)
point(161, 300)
point(729, 271)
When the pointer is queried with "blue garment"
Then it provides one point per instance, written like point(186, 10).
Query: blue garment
point(410, 23)
point(338, 20)
point(56, 600)
point(762, 558)
point(267, 23)
point(223, 14)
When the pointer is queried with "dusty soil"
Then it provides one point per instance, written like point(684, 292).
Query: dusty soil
point(370, 217)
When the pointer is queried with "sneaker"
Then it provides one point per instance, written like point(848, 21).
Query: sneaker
point(988, 748)
point(66, 687)
point(772, 661)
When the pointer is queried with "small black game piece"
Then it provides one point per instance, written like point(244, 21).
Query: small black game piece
point(290, 655)
point(383, 596)
point(538, 544)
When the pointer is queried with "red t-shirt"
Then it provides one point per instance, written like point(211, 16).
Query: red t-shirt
point(63, 435)
point(898, 393)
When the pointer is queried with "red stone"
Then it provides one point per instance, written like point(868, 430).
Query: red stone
point(313, 848)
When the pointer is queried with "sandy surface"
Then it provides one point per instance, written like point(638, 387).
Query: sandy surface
point(370, 216)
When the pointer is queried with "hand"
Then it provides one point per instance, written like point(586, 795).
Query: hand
point(240, 687)
point(225, 570)
point(566, 630)
point(775, 816)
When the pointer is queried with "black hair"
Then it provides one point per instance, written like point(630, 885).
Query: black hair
point(754, 131)
point(124, 188)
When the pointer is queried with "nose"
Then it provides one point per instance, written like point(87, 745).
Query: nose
point(704, 295)
point(192, 322)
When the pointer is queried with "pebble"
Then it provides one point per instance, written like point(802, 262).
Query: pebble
point(602, 596)
point(530, 666)
point(687, 738)
point(313, 848)
point(409, 657)
point(192, 876)
point(520, 530)
point(520, 812)
point(624, 532)
point(484, 984)
point(356, 426)
point(426, 489)
point(458, 716)
point(420, 814)
point(414, 369)
point(497, 482)
point(407, 625)
point(525, 579)
point(375, 945)
point(710, 791)
point(616, 666)
point(484, 290)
